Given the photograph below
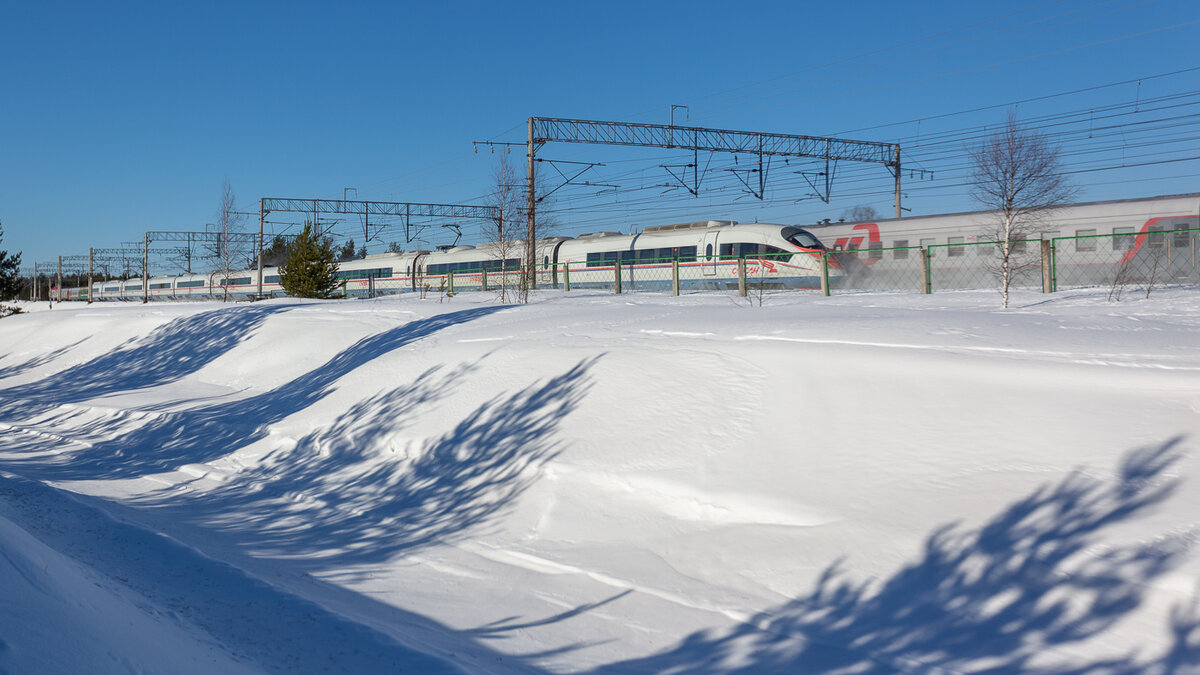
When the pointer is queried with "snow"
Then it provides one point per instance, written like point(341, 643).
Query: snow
point(869, 483)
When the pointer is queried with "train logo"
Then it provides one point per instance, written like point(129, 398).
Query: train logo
point(854, 242)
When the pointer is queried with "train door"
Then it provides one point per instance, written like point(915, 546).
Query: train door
point(415, 271)
point(709, 254)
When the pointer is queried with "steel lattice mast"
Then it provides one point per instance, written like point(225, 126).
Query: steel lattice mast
point(542, 130)
point(365, 208)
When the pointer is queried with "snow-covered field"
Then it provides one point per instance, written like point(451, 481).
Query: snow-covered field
point(597, 483)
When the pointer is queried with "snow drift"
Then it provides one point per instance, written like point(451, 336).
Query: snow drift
point(865, 483)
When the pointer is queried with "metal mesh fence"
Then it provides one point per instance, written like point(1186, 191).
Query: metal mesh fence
point(974, 265)
point(1154, 258)
point(877, 269)
point(1120, 260)
point(695, 275)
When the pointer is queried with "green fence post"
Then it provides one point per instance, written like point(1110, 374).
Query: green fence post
point(926, 272)
point(675, 276)
point(617, 274)
point(483, 279)
point(825, 273)
point(345, 293)
point(1054, 266)
point(742, 277)
point(566, 277)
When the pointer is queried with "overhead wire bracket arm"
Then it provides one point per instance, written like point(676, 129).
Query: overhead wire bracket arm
point(566, 181)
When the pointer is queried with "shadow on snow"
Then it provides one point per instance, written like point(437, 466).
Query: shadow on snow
point(171, 352)
point(205, 433)
point(347, 494)
point(999, 599)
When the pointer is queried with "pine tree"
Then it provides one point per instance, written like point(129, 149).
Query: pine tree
point(310, 270)
point(10, 282)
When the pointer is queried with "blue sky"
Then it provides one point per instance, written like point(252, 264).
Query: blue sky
point(126, 117)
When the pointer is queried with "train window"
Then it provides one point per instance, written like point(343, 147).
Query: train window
point(708, 252)
point(1182, 237)
point(901, 252)
point(955, 251)
point(1156, 237)
point(801, 238)
point(876, 248)
point(1085, 240)
point(603, 259)
point(747, 250)
point(1018, 247)
point(1122, 238)
point(687, 253)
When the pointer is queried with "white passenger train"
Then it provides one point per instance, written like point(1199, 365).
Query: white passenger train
point(705, 254)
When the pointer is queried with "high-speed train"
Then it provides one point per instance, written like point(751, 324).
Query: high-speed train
point(704, 254)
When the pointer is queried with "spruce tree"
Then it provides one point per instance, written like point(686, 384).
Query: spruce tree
point(310, 270)
point(10, 283)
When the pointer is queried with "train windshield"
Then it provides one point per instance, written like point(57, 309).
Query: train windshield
point(802, 238)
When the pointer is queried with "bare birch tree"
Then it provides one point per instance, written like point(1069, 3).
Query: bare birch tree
point(1017, 174)
point(499, 230)
point(225, 249)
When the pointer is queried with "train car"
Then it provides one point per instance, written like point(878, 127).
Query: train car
point(131, 289)
point(376, 274)
point(706, 252)
point(488, 265)
point(1094, 241)
point(106, 290)
point(193, 286)
point(162, 288)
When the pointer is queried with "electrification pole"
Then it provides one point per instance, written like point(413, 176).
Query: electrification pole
point(146, 268)
point(260, 248)
point(530, 248)
point(897, 181)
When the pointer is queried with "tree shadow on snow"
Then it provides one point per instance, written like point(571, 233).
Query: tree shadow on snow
point(998, 599)
point(347, 494)
point(205, 433)
point(171, 352)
